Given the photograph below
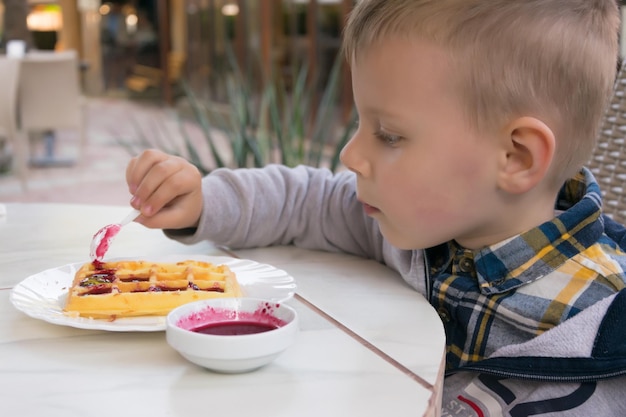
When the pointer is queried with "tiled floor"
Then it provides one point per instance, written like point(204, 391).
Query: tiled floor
point(98, 176)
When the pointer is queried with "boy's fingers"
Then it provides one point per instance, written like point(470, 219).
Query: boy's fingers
point(139, 166)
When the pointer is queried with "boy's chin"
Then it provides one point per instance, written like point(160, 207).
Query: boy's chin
point(404, 242)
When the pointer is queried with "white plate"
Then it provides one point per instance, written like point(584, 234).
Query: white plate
point(43, 295)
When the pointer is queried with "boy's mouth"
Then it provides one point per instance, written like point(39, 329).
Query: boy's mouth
point(370, 210)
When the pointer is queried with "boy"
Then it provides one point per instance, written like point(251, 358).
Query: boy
point(473, 114)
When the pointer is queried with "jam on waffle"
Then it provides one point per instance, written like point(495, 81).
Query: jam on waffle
point(141, 288)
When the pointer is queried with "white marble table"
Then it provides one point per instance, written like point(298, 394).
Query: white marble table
point(368, 344)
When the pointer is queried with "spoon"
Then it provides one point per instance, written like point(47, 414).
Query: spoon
point(102, 239)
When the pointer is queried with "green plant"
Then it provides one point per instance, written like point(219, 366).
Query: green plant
point(289, 125)
point(277, 124)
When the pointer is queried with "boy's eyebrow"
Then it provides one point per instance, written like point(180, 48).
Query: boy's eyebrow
point(378, 112)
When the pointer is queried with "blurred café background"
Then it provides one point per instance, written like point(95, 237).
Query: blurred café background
point(144, 68)
point(236, 83)
point(111, 37)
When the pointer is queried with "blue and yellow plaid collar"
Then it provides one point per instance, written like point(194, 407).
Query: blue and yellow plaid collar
point(536, 253)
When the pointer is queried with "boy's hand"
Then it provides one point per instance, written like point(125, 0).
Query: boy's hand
point(166, 189)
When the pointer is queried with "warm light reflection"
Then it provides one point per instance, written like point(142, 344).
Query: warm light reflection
point(45, 19)
point(131, 23)
point(105, 9)
point(230, 9)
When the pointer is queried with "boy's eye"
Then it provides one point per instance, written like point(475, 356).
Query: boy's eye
point(387, 138)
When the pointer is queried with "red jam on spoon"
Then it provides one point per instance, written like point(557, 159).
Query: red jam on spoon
point(102, 240)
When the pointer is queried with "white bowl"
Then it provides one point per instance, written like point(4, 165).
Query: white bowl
point(231, 353)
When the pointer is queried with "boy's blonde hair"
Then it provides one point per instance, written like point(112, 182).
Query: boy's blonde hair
point(551, 59)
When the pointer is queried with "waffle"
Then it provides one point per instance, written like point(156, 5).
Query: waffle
point(141, 288)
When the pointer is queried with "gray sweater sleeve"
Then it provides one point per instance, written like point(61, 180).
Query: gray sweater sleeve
point(306, 207)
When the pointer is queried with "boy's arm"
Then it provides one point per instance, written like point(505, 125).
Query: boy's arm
point(276, 205)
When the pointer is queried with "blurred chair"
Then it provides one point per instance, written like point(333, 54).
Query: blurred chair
point(9, 81)
point(608, 162)
point(50, 99)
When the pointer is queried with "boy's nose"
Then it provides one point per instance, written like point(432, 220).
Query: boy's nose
point(353, 157)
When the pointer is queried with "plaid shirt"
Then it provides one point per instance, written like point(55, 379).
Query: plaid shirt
point(515, 290)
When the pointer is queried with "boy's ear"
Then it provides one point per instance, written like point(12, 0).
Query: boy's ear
point(527, 155)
